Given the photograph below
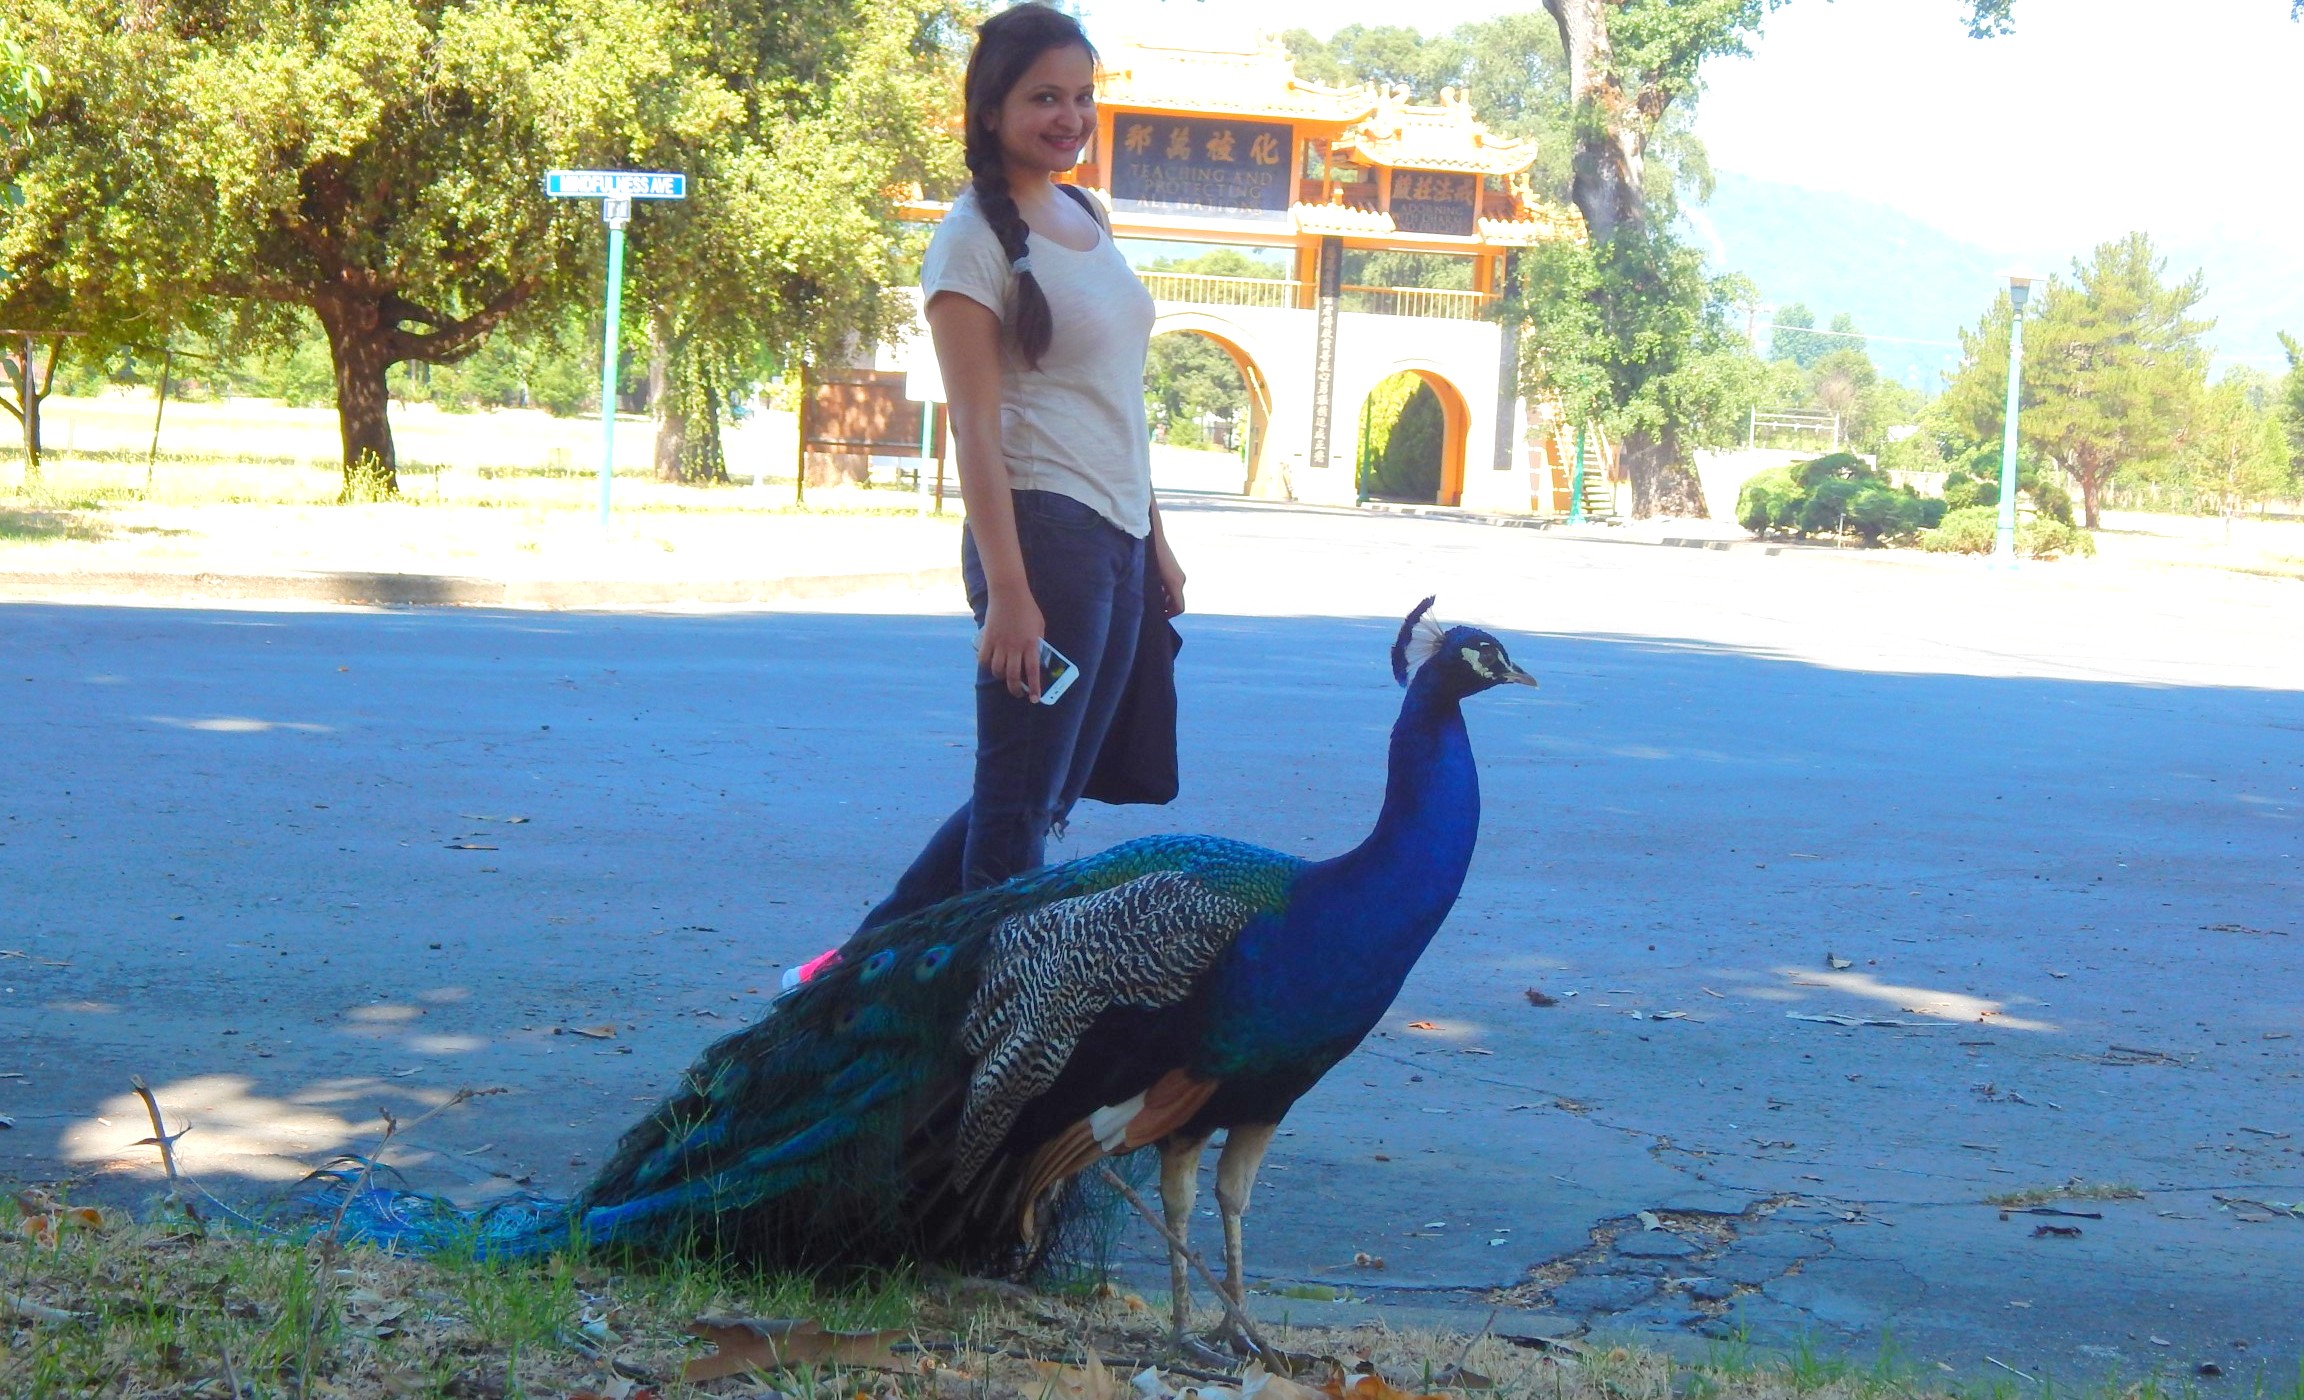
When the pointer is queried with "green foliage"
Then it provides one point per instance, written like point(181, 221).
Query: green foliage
point(1372, 268)
point(1794, 339)
point(23, 83)
point(1973, 529)
point(2236, 451)
point(1188, 377)
point(1834, 495)
point(1408, 433)
point(1637, 337)
point(2291, 397)
point(2113, 364)
point(217, 165)
point(1510, 68)
point(1974, 480)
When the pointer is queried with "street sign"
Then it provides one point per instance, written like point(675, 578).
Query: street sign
point(615, 189)
point(615, 184)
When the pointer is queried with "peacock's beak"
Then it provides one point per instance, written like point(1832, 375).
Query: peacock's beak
point(1516, 676)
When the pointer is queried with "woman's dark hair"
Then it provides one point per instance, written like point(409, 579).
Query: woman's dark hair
point(1006, 45)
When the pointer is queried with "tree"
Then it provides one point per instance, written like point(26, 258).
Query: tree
point(2112, 364)
point(1795, 338)
point(377, 162)
point(783, 249)
point(2292, 396)
point(2236, 452)
point(1636, 336)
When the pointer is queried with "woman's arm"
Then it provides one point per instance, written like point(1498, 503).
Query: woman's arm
point(967, 337)
point(1164, 564)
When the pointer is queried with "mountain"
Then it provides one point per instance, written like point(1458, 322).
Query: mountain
point(1899, 277)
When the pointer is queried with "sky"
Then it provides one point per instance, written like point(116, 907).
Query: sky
point(2094, 118)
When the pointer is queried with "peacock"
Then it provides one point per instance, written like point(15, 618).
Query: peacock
point(930, 1093)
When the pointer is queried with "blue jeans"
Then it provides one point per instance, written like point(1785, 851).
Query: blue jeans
point(1032, 760)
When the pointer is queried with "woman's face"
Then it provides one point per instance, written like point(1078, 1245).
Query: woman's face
point(1050, 113)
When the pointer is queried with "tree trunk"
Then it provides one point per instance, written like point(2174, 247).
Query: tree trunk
point(671, 433)
point(29, 398)
point(359, 346)
point(1611, 139)
point(688, 431)
point(2091, 474)
point(1662, 484)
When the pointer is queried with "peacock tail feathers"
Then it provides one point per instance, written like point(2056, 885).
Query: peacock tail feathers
point(851, 1121)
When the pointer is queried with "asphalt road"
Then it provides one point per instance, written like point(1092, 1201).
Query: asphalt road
point(2036, 836)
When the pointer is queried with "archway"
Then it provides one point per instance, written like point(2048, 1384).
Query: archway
point(1203, 394)
point(1411, 440)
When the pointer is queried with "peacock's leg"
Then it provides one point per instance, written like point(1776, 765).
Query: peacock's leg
point(1179, 1185)
point(1235, 1177)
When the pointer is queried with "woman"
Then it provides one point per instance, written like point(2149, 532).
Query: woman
point(1040, 328)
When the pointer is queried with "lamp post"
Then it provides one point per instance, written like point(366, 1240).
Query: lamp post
point(2004, 540)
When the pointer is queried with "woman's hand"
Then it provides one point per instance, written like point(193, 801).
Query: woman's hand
point(1164, 566)
point(1009, 646)
point(1171, 577)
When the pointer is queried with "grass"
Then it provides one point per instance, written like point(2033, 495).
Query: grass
point(169, 1308)
point(2073, 1190)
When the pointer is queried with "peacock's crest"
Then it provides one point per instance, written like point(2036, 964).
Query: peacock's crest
point(1420, 637)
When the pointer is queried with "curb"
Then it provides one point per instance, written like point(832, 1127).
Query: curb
point(447, 590)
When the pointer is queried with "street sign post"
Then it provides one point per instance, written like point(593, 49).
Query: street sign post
point(615, 189)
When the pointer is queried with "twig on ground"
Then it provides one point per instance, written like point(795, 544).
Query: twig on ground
point(2009, 1369)
point(1232, 1311)
point(330, 1242)
point(164, 1140)
point(37, 1312)
point(1474, 1340)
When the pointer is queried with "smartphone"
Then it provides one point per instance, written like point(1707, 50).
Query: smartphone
point(1056, 670)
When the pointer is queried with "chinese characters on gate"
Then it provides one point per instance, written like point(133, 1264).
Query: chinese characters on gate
point(1178, 165)
point(1430, 201)
point(1167, 164)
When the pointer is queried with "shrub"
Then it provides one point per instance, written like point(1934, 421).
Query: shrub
point(1972, 530)
point(1968, 530)
point(1832, 495)
point(1768, 501)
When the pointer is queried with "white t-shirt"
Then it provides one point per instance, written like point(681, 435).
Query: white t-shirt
point(1075, 425)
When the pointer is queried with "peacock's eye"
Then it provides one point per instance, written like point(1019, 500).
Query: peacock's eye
point(931, 962)
point(877, 964)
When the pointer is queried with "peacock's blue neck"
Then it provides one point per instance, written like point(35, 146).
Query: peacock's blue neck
point(1301, 989)
point(1408, 872)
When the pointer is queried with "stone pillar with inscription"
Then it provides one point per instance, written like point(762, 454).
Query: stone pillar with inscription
point(1324, 349)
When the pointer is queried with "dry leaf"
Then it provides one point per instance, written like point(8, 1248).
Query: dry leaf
point(1460, 1378)
point(1093, 1381)
point(745, 1344)
point(1369, 1387)
point(1836, 962)
point(1423, 1026)
point(1536, 998)
point(1649, 1220)
point(1256, 1383)
point(599, 1032)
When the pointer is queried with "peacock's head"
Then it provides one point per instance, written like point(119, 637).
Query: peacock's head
point(1465, 660)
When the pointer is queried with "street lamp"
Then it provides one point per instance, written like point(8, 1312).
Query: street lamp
point(2004, 540)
